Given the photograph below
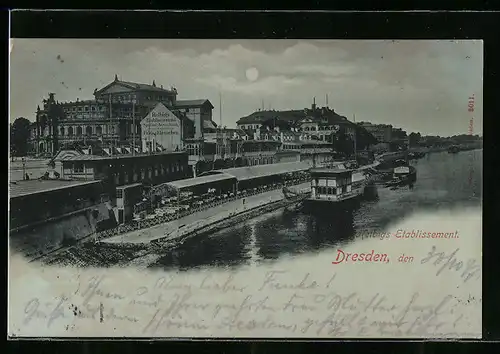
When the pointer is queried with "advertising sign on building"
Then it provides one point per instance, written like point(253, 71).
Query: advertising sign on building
point(161, 130)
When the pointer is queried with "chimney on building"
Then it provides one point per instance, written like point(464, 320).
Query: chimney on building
point(313, 107)
point(116, 77)
point(161, 86)
point(154, 83)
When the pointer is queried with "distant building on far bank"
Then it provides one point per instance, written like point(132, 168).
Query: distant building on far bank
point(382, 132)
point(315, 123)
point(389, 137)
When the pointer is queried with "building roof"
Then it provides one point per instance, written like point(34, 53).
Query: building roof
point(193, 103)
point(209, 125)
point(136, 86)
point(133, 185)
point(294, 116)
point(198, 181)
point(21, 188)
point(116, 157)
point(262, 116)
point(303, 142)
point(287, 152)
point(331, 171)
point(65, 153)
point(144, 86)
point(252, 141)
point(161, 106)
point(73, 103)
point(251, 172)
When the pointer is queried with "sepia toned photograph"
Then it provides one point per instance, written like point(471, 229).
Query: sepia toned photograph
point(188, 188)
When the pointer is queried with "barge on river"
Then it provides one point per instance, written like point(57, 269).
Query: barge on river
point(403, 175)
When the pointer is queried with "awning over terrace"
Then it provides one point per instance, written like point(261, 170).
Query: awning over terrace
point(198, 181)
point(259, 171)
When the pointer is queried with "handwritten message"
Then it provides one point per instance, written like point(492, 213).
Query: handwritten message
point(257, 302)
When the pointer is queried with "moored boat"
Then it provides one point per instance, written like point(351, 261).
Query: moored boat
point(337, 186)
point(403, 175)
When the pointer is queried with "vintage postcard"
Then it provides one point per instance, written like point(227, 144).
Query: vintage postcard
point(245, 188)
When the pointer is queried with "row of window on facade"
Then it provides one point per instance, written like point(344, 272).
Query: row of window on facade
point(79, 130)
point(100, 108)
point(260, 147)
point(157, 170)
point(291, 147)
point(320, 137)
point(329, 190)
point(103, 115)
point(136, 177)
point(85, 109)
point(132, 97)
point(194, 150)
point(250, 126)
point(313, 129)
point(260, 161)
point(301, 146)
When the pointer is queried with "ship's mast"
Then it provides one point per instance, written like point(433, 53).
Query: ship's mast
point(112, 130)
point(133, 127)
point(220, 110)
point(219, 143)
point(355, 139)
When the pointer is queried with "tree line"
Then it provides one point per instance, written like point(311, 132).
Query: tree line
point(19, 137)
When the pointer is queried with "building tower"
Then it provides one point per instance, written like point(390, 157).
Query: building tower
point(47, 124)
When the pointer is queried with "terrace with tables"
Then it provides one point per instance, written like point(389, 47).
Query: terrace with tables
point(188, 196)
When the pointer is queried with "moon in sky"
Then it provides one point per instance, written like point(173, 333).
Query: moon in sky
point(252, 74)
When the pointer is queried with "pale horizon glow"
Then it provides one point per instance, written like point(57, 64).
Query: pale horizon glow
point(420, 86)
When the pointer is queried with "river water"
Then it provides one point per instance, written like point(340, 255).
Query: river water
point(446, 183)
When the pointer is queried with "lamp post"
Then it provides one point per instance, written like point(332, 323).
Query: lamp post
point(24, 168)
point(133, 127)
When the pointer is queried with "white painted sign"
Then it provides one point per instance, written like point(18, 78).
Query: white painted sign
point(162, 127)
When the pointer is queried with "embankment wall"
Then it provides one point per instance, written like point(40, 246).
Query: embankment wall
point(35, 241)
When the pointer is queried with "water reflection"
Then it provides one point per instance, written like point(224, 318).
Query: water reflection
point(215, 250)
point(267, 237)
point(443, 181)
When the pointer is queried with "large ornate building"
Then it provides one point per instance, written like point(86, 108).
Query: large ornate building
point(112, 119)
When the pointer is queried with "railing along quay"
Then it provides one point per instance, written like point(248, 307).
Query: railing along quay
point(136, 225)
